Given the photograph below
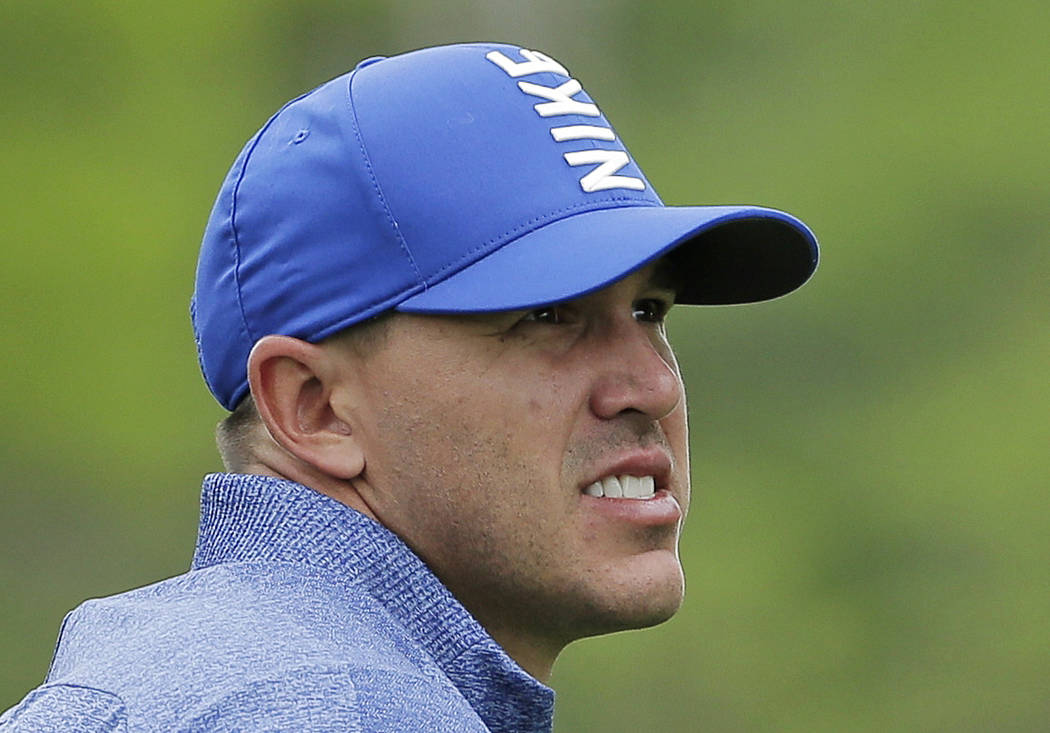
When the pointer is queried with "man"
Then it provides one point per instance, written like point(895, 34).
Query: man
point(432, 293)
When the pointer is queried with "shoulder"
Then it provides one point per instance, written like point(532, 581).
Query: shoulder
point(61, 707)
point(344, 698)
point(307, 699)
point(231, 620)
point(285, 643)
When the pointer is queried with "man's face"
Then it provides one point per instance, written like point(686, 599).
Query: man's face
point(485, 434)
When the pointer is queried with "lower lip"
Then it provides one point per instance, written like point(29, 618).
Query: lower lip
point(661, 508)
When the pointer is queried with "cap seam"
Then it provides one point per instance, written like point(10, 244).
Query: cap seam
point(375, 182)
point(233, 208)
point(233, 230)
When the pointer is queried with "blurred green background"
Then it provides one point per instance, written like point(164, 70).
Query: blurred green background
point(868, 549)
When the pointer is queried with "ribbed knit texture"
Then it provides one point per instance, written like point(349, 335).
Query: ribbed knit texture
point(298, 614)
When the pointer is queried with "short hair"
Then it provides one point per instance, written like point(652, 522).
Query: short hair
point(237, 435)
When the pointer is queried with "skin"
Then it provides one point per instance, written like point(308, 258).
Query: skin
point(472, 437)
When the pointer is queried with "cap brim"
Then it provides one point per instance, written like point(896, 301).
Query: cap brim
point(722, 254)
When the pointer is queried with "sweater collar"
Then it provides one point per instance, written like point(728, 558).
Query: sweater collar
point(246, 518)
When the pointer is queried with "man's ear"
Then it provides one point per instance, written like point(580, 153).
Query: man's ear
point(292, 382)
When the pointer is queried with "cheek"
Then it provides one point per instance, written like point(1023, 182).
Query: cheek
point(470, 502)
point(442, 452)
point(451, 443)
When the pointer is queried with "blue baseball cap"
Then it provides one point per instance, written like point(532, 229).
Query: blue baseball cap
point(466, 178)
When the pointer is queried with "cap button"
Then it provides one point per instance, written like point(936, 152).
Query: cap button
point(369, 61)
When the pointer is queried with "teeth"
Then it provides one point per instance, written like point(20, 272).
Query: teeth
point(594, 489)
point(631, 487)
point(648, 486)
point(612, 488)
point(625, 487)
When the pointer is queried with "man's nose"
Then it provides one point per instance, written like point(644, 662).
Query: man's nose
point(637, 373)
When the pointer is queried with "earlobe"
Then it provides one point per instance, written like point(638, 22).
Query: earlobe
point(292, 383)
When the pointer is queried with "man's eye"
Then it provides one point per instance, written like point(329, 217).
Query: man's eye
point(651, 310)
point(550, 314)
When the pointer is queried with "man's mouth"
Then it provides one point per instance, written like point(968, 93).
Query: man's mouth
point(623, 487)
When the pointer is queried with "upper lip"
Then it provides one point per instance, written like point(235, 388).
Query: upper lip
point(651, 461)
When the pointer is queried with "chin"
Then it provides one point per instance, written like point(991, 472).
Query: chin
point(629, 617)
point(640, 599)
